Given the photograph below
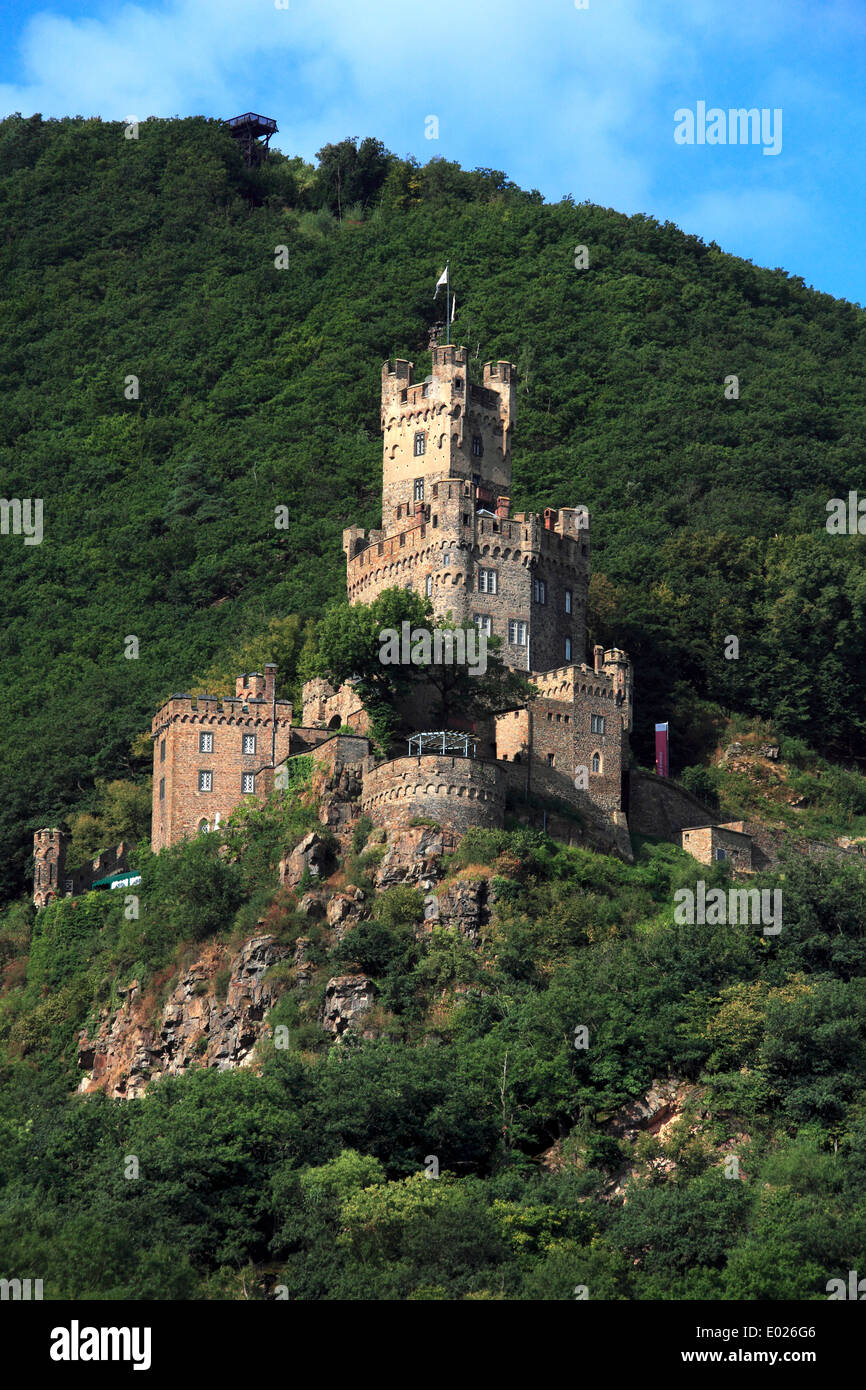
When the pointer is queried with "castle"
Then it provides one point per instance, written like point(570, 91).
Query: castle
point(449, 534)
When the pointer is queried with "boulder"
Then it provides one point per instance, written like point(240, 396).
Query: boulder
point(413, 855)
point(347, 999)
point(309, 857)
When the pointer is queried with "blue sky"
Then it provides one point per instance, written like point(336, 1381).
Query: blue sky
point(566, 100)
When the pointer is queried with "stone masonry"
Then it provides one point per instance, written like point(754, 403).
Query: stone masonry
point(208, 754)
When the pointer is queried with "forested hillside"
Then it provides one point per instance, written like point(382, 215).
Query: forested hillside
point(154, 258)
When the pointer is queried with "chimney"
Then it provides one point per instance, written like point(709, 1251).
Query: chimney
point(598, 657)
point(270, 680)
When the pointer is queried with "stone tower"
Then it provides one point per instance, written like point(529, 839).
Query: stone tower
point(209, 754)
point(447, 529)
point(49, 866)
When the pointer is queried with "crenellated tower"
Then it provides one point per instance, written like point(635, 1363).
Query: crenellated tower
point(445, 427)
point(49, 865)
point(448, 531)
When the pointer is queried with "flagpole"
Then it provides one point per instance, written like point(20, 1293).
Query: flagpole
point(448, 303)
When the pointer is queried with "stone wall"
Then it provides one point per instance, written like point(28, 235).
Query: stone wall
point(661, 809)
point(325, 707)
point(51, 878)
point(453, 791)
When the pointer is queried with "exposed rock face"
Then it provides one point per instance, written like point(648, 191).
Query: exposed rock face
point(412, 855)
point(194, 1027)
point(340, 796)
point(308, 857)
point(311, 905)
point(465, 906)
point(344, 911)
point(347, 999)
point(653, 1112)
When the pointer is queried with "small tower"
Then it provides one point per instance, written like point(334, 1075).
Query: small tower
point(49, 866)
point(615, 663)
point(249, 130)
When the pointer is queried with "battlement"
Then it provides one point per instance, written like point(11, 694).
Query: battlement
point(572, 681)
point(214, 709)
point(457, 792)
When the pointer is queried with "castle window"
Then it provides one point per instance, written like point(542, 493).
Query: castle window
point(596, 762)
point(518, 632)
point(568, 600)
point(429, 585)
point(162, 789)
point(487, 581)
point(568, 649)
point(248, 783)
point(435, 519)
point(162, 751)
point(205, 743)
point(484, 623)
point(596, 723)
point(550, 760)
point(420, 443)
point(446, 559)
point(418, 493)
point(721, 853)
point(583, 550)
point(539, 591)
point(477, 446)
point(205, 781)
point(465, 518)
point(249, 743)
point(203, 827)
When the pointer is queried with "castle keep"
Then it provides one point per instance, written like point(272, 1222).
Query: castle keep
point(447, 529)
point(448, 533)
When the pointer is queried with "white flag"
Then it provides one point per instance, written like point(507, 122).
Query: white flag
point(453, 306)
point(443, 280)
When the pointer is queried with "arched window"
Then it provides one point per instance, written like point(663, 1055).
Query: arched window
point(203, 827)
point(596, 762)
